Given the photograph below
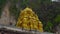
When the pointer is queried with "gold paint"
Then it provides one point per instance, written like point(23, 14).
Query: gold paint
point(29, 20)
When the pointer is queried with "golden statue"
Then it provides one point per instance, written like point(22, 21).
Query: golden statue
point(29, 20)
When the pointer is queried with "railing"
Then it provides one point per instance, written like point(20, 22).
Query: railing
point(14, 30)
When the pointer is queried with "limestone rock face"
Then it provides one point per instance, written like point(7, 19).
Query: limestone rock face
point(6, 18)
point(29, 20)
point(5, 15)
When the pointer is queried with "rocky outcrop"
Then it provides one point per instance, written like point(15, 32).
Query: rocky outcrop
point(6, 18)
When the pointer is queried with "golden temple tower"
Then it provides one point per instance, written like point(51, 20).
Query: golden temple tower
point(29, 20)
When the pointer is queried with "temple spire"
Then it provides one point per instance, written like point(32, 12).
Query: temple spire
point(29, 20)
